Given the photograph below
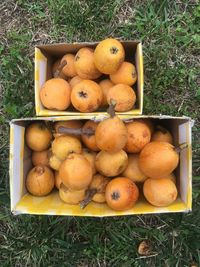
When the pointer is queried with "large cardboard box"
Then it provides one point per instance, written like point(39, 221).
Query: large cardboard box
point(45, 55)
point(20, 164)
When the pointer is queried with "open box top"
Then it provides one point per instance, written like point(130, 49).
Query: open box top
point(20, 164)
point(45, 55)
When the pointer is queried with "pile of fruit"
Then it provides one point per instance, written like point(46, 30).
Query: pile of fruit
point(90, 79)
point(103, 161)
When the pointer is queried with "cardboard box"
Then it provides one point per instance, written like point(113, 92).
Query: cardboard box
point(45, 55)
point(20, 164)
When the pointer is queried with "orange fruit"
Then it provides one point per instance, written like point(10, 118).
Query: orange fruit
point(160, 192)
point(38, 136)
point(123, 95)
point(86, 96)
point(84, 64)
point(126, 74)
point(109, 55)
point(55, 94)
point(121, 193)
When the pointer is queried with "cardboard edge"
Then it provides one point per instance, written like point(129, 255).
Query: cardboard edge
point(11, 163)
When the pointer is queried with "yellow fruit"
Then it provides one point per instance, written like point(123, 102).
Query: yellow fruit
point(158, 159)
point(72, 197)
point(160, 192)
point(40, 181)
point(76, 172)
point(38, 136)
point(63, 145)
point(96, 190)
point(54, 162)
point(111, 164)
point(74, 81)
point(58, 180)
point(90, 156)
point(132, 170)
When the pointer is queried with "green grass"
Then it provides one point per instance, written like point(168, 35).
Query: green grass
point(169, 31)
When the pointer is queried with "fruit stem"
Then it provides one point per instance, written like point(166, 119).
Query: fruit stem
point(39, 169)
point(79, 131)
point(88, 198)
point(179, 148)
point(60, 67)
point(111, 108)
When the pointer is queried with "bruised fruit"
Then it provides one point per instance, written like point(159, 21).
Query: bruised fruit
point(111, 134)
point(105, 86)
point(89, 140)
point(54, 162)
point(138, 136)
point(55, 67)
point(55, 94)
point(74, 81)
point(123, 95)
point(40, 158)
point(111, 163)
point(84, 64)
point(90, 156)
point(132, 170)
point(158, 159)
point(96, 190)
point(72, 124)
point(76, 172)
point(69, 68)
point(109, 55)
point(162, 135)
point(72, 197)
point(160, 192)
point(38, 136)
point(126, 74)
point(40, 181)
point(86, 96)
point(121, 193)
point(58, 180)
point(63, 145)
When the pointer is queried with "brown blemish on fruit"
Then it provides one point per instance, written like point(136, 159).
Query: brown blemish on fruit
point(77, 57)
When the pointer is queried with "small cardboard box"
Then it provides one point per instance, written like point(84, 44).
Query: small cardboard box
point(20, 164)
point(45, 55)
